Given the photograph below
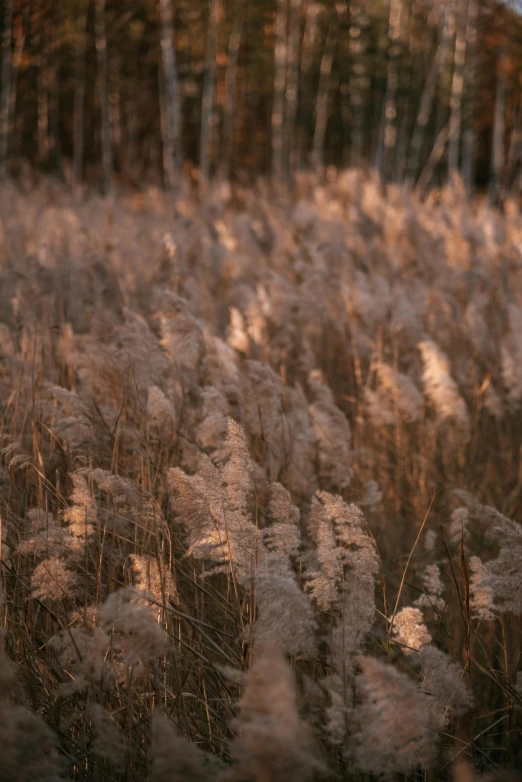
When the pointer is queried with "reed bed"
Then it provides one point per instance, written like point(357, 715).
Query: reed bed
point(260, 484)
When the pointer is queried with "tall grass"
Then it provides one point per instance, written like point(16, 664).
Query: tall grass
point(261, 482)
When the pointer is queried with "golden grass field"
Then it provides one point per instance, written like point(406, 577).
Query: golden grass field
point(260, 484)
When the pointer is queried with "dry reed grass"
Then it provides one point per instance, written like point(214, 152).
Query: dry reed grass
point(261, 481)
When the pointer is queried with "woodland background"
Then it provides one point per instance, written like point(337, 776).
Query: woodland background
point(134, 89)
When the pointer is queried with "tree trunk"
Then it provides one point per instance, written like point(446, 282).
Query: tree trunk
point(278, 109)
point(20, 34)
point(292, 86)
point(116, 128)
point(457, 90)
point(388, 125)
point(229, 110)
point(323, 92)
point(409, 85)
point(445, 81)
point(470, 75)
point(103, 92)
point(209, 92)
point(358, 78)
point(39, 40)
point(499, 129)
point(53, 65)
point(311, 40)
point(171, 126)
point(514, 155)
point(6, 84)
point(310, 36)
point(79, 91)
point(434, 159)
point(425, 109)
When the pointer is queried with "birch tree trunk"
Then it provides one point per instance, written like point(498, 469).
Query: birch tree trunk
point(388, 126)
point(309, 48)
point(445, 82)
point(103, 74)
point(457, 90)
point(358, 78)
point(209, 92)
point(278, 109)
point(310, 36)
point(323, 92)
point(380, 71)
point(172, 157)
point(435, 156)
point(426, 105)
point(6, 83)
point(425, 109)
point(292, 86)
point(409, 85)
point(79, 91)
point(229, 110)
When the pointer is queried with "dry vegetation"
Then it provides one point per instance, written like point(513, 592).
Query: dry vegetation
point(260, 494)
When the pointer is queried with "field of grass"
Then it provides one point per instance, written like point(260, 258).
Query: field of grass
point(260, 484)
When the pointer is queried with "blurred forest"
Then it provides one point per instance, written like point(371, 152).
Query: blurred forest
point(133, 91)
